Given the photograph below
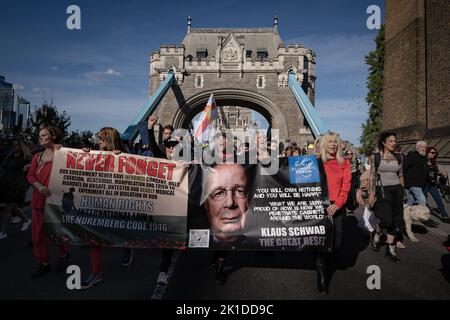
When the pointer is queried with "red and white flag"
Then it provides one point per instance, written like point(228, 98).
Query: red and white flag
point(205, 124)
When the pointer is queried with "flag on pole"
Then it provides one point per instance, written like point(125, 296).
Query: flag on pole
point(204, 126)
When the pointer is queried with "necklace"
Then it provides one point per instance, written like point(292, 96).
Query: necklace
point(388, 156)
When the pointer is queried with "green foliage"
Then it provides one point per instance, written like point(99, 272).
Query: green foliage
point(375, 61)
point(76, 139)
point(48, 115)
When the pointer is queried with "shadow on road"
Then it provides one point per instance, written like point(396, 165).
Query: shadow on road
point(354, 241)
point(197, 261)
point(445, 260)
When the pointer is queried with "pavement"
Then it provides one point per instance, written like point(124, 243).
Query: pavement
point(424, 272)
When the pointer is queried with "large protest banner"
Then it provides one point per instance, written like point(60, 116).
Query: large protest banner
point(125, 200)
point(239, 207)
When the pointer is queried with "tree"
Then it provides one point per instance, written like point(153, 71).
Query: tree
point(48, 115)
point(77, 139)
point(375, 61)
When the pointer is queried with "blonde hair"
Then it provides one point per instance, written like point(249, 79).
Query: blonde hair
point(317, 145)
point(112, 139)
point(323, 147)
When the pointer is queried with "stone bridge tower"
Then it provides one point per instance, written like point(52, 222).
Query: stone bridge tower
point(242, 67)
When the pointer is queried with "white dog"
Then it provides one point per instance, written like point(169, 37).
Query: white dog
point(414, 213)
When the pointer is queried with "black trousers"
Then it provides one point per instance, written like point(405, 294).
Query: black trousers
point(352, 203)
point(389, 208)
point(338, 221)
point(166, 259)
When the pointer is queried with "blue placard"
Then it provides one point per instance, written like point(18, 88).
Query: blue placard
point(304, 169)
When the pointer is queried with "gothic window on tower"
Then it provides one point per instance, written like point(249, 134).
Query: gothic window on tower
point(202, 54)
point(262, 54)
point(260, 82)
point(199, 81)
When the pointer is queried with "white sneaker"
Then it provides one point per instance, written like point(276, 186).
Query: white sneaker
point(3, 235)
point(400, 245)
point(162, 279)
point(15, 220)
point(26, 225)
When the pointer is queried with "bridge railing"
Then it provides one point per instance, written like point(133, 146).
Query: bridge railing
point(133, 130)
point(316, 124)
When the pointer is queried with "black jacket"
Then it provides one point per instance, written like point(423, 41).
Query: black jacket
point(153, 146)
point(415, 171)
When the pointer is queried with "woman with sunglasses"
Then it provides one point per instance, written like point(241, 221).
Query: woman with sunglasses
point(433, 175)
point(109, 140)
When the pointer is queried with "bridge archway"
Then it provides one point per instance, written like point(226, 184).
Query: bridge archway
point(232, 97)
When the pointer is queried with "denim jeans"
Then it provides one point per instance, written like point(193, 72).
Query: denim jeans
point(415, 195)
point(437, 198)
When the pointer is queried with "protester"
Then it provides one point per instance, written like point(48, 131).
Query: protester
point(352, 203)
point(109, 140)
point(430, 187)
point(289, 151)
point(386, 194)
point(169, 145)
point(13, 187)
point(38, 177)
point(166, 135)
point(415, 171)
point(337, 170)
point(367, 221)
point(297, 151)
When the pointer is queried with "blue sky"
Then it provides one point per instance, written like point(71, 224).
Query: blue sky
point(99, 74)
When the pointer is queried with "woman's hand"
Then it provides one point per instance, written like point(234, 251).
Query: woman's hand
point(117, 152)
point(332, 209)
point(46, 192)
point(87, 150)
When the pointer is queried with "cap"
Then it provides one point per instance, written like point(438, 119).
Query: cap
point(171, 143)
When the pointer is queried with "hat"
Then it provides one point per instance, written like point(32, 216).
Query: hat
point(171, 143)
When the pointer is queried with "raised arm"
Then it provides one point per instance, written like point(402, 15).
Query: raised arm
point(153, 146)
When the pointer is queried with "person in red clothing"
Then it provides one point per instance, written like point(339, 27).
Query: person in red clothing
point(337, 170)
point(38, 177)
point(109, 140)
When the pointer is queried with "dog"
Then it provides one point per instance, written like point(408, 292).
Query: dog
point(414, 213)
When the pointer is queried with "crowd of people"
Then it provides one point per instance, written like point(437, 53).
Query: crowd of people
point(384, 182)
